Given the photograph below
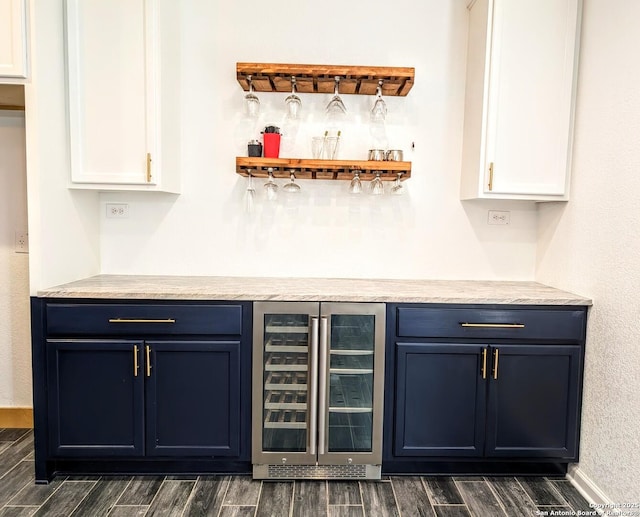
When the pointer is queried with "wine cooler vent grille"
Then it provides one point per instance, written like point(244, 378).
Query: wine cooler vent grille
point(317, 471)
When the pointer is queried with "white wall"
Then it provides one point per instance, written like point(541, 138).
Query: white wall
point(324, 231)
point(15, 345)
point(592, 244)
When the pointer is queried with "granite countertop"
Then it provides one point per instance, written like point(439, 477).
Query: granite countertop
point(313, 289)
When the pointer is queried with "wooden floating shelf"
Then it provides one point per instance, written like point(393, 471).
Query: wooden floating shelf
point(321, 169)
point(360, 80)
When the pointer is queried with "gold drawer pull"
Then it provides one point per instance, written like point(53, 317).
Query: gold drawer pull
point(125, 320)
point(495, 363)
point(494, 325)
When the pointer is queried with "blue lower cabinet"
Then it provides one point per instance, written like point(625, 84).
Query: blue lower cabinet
point(106, 397)
point(440, 400)
point(95, 398)
point(482, 389)
point(534, 401)
point(193, 398)
point(141, 387)
point(465, 400)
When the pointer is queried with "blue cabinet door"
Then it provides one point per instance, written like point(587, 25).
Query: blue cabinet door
point(95, 398)
point(193, 398)
point(534, 401)
point(440, 399)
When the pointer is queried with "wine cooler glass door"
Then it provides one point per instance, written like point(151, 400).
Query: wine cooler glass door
point(285, 383)
point(351, 387)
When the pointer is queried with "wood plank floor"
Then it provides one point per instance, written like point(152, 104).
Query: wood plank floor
point(227, 496)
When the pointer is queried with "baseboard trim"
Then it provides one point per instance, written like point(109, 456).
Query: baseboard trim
point(21, 417)
point(589, 490)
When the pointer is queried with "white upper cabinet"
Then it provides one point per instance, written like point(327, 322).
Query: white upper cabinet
point(13, 39)
point(114, 96)
point(521, 68)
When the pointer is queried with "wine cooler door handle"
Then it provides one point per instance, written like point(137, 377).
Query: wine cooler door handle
point(313, 390)
point(322, 372)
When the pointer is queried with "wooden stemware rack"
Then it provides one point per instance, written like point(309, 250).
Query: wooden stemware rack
point(360, 80)
point(321, 169)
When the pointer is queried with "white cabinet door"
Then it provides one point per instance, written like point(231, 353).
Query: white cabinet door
point(114, 95)
point(13, 39)
point(521, 66)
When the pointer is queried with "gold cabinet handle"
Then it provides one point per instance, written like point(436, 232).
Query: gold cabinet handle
point(495, 363)
point(148, 351)
point(136, 366)
point(484, 363)
point(490, 176)
point(149, 168)
point(134, 320)
point(494, 325)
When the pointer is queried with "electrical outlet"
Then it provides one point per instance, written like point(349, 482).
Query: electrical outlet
point(22, 241)
point(117, 210)
point(499, 217)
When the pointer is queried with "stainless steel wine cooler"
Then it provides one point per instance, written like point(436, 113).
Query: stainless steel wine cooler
point(318, 381)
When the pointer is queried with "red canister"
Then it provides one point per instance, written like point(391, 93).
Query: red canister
point(271, 145)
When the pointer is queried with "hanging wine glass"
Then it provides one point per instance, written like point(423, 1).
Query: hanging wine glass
point(250, 193)
point(293, 102)
point(292, 187)
point(376, 185)
point(398, 188)
point(336, 106)
point(355, 187)
point(378, 114)
point(251, 101)
point(379, 109)
point(270, 187)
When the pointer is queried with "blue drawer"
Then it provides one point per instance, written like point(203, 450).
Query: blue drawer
point(491, 323)
point(77, 319)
